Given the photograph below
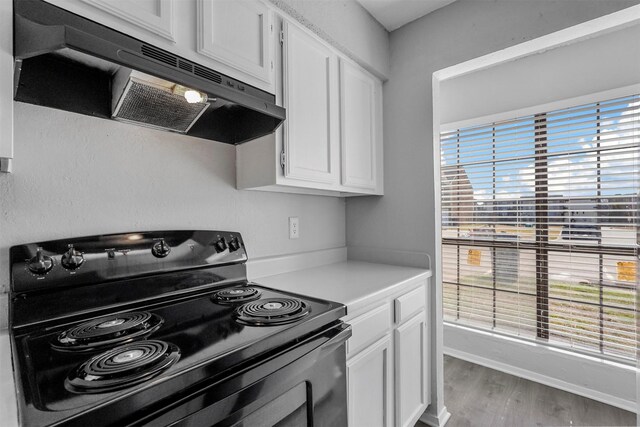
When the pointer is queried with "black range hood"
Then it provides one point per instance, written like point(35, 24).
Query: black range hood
point(68, 62)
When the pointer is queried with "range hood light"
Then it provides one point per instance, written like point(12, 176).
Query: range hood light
point(194, 97)
point(191, 95)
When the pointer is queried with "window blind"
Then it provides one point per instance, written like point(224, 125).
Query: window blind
point(540, 226)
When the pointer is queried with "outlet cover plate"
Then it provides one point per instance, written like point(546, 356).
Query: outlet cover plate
point(294, 227)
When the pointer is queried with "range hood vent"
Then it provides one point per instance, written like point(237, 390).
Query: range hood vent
point(68, 62)
point(133, 92)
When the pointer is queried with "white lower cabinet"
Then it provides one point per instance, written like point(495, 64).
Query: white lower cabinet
point(370, 388)
point(387, 360)
point(411, 364)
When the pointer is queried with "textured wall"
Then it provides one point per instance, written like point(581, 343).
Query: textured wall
point(404, 218)
point(75, 175)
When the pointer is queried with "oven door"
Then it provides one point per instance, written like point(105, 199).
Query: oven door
point(302, 386)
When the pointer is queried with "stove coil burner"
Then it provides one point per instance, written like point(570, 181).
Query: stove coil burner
point(271, 311)
point(108, 331)
point(122, 367)
point(236, 295)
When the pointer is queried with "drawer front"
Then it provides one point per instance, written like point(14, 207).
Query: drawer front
point(409, 304)
point(368, 328)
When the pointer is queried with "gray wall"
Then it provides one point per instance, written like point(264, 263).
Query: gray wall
point(403, 220)
point(76, 175)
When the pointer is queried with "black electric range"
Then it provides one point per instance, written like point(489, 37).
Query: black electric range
point(163, 328)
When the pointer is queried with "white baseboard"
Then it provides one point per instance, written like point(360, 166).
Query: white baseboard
point(433, 420)
point(270, 266)
point(627, 405)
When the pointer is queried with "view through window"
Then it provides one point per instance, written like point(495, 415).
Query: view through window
point(540, 226)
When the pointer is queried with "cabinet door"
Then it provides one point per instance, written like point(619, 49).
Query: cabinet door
point(6, 84)
point(411, 363)
point(369, 386)
point(155, 16)
point(237, 33)
point(360, 126)
point(310, 93)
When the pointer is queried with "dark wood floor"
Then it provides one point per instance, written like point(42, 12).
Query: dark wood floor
point(479, 396)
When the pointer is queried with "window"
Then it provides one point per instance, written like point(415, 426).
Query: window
point(540, 226)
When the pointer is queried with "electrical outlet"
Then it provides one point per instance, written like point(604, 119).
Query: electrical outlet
point(294, 227)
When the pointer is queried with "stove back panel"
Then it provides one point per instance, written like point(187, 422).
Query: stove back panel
point(110, 270)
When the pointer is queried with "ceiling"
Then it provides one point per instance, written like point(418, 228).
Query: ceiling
point(393, 14)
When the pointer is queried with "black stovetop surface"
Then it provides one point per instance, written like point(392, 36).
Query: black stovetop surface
point(211, 341)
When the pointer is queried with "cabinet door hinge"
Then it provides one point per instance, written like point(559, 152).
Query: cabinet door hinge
point(282, 160)
point(281, 37)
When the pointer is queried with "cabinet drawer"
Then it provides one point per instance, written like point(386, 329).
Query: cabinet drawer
point(368, 328)
point(409, 304)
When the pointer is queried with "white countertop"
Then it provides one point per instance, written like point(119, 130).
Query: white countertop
point(352, 283)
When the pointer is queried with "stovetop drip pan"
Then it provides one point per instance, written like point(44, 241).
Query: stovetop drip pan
point(109, 331)
point(272, 311)
point(122, 367)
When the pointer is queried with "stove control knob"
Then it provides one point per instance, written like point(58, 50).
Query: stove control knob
point(234, 244)
point(160, 249)
point(72, 259)
point(40, 264)
point(220, 245)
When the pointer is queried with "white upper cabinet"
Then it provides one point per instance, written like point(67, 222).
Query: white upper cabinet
point(238, 33)
point(360, 127)
point(310, 95)
point(6, 85)
point(233, 37)
point(331, 141)
point(155, 16)
point(153, 21)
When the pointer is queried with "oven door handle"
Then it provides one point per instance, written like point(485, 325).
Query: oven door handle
point(340, 334)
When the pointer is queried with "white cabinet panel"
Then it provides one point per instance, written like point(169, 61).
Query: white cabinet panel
point(6, 84)
point(369, 386)
point(237, 33)
point(409, 304)
point(411, 370)
point(310, 97)
point(368, 328)
point(155, 16)
point(360, 95)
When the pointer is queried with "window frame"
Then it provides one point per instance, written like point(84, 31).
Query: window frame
point(541, 246)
